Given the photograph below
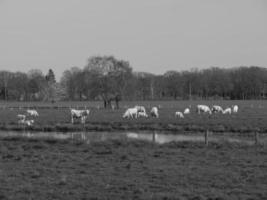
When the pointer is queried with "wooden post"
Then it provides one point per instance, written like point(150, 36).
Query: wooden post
point(154, 137)
point(83, 136)
point(207, 137)
point(256, 137)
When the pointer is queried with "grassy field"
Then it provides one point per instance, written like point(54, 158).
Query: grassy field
point(51, 169)
point(128, 169)
point(252, 116)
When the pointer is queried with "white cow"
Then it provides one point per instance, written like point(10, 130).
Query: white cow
point(186, 111)
point(79, 114)
point(21, 118)
point(154, 112)
point(29, 122)
point(32, 112)
point(140, 109)
point(179, 114)
point(26, 122)
point(216, 109)
point(130, 113)
point(203, 108)
point(227, 111)
point(235, 108)
point(142, 114)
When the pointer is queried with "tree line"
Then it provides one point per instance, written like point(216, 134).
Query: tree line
point(109, 79)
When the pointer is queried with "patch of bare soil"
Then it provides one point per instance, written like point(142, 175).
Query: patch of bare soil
point(50, 169)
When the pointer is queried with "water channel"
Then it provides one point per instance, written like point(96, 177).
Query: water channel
point(156, 137)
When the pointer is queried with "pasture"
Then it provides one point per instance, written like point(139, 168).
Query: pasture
point(47, 168)
point(54, 169)
point(251, 117)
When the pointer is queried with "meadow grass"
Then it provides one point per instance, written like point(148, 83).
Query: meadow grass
point(252, 116)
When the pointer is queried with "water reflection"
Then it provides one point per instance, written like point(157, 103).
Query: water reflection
point(159, 138)
point(166, 138)
point(140, 136)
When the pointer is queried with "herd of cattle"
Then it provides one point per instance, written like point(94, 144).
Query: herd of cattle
point(28, 122)
point(140, 111)
point(131, 113)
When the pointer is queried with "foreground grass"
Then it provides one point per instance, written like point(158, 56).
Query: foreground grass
point(51, 169)
point(252, 116)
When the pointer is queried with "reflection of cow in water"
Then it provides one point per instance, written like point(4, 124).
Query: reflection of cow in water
point(109, 97)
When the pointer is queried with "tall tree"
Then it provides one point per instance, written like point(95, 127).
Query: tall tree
point(50, 77)
point(68, 82)
point(110, 78)
point(51, 87)
point(37, 84)
point(5, 78)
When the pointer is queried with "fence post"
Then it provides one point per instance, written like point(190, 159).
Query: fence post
point(154, 136)
point(207, 137)
point(256, 137)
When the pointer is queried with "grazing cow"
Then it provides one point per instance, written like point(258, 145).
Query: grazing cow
point(216, 109)
point(203, 108)
point(154, 112)
point(130, 113)
point(79, 114)
point(179, 114)
point(142, 114)
point(140, 109)
point(33, 113)
point(227, 111)
point(28, 122)
point(235, 108)
point(186, 111)
point(21, 117)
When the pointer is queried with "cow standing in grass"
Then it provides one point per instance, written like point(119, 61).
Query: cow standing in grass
point(32, 112)
point(216, 109)
point(142, 114)
point(179, 114)
point(154, 112)
point(28, 122)
point(21, 118)
point(227, 111)
point(79, 114)
point(235, 109)
point(141, 111)
point(131, 113)
point(186, 111)
point(203, 109)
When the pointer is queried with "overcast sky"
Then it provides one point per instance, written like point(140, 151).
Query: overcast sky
point(153, 35)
